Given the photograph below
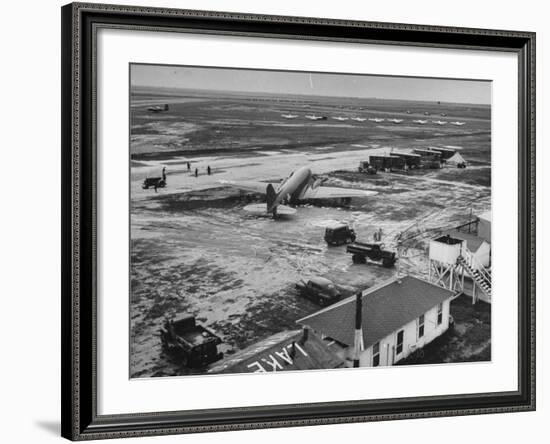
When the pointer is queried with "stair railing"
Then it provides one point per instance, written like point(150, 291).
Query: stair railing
point(473, 263)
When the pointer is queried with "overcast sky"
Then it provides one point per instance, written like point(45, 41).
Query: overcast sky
point(285, 82)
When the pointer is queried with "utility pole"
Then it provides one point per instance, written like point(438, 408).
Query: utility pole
point(358, 343)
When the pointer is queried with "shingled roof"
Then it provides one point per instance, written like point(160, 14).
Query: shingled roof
point(284, 351)
point(386, 308)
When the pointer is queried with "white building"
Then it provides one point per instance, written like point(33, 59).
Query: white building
point(478, 246)
point(399, 317)
point(464, 253)
point(484, 226)
point(451, 261)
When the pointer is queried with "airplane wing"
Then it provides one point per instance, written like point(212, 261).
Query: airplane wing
point(323, 192)
point(248, 185)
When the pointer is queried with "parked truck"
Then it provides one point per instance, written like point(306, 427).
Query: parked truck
point(366, 167)
point(373, 252)
point(339, 234)
point(194, 345)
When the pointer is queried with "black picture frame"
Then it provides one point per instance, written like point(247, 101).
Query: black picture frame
point(79, 395)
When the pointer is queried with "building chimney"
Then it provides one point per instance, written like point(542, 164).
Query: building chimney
point(358, 343)
point(305, 336)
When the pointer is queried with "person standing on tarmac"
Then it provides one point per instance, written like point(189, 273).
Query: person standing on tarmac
point(208, 170)
point(196, 172)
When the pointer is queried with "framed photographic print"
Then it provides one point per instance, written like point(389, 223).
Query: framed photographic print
point(280, 221)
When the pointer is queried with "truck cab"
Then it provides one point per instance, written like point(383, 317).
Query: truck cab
point(192, 344)
point(366, 167)
point(153, 182)
point(319, 290)
point(339, 234)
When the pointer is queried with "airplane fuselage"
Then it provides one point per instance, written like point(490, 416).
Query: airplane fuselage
point(292, 188)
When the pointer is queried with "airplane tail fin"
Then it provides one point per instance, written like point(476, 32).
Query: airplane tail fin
point(271, 197)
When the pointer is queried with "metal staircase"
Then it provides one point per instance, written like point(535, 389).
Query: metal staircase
point(479, 274)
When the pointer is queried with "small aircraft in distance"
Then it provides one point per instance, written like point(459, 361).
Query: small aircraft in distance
point(458, 123)
point(340, 118)
point(289, 116)
point(314, 117)
point(157, 108)
point(420, 122)
point(396, 121)
point(358, 119)
point(300, 185)
point(439, 122)
point(376, 119)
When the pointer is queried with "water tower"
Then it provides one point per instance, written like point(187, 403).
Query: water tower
point(445, 269)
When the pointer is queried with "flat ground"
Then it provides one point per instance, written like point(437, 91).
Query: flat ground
point(467, 340)
point(195, 250)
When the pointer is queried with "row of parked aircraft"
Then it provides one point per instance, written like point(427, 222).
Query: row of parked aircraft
point(439, 122)
point(371, 119)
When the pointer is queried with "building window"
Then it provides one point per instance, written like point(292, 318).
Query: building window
point(440, 313)
point(376, 354)
point(399, 346)
point(421, 326)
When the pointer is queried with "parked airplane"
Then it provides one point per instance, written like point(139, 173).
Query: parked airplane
point(315, 117)
point(289, 116)
point(458, 123)
point(420, 122)
point(395, 120)
point(298, 186)
point(158, 109)
point(439, 122)
point(376, 119)
point(340, 118)
point(358, 119)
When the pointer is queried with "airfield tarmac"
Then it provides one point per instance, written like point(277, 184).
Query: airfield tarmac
point(195, 250)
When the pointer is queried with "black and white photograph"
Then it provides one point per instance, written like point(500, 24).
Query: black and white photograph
point(287, 220)
point(274, 222)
